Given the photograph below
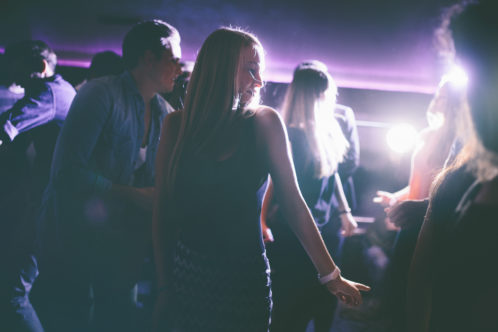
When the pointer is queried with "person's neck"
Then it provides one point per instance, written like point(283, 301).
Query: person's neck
point(144, 86)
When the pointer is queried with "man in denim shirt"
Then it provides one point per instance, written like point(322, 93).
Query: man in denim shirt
point(28, 132)
point(95, 225)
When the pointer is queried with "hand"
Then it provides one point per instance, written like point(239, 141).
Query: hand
point(385, 199)
point(347, 291)
point(407, 213)
point(267, 234)
point(348, 224)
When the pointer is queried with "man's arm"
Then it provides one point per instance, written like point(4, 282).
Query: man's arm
point(79, 135)
point(36, 108)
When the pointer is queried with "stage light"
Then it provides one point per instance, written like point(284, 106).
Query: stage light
point(401, 138)
point(457, 76)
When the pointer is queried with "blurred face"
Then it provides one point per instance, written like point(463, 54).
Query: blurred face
point(166, 68)
point(249, 79)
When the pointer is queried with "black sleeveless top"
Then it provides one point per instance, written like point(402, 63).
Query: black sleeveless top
point(216, 203)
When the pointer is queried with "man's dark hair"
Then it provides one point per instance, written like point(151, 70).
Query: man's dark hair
point(154, 35)
point(30, 54)
point(105, 63)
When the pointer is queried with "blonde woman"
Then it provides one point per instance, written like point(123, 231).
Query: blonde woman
point(214, 156)
point(318, 146)
point(434, 145)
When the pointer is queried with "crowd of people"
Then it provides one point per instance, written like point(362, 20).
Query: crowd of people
point(239, 207)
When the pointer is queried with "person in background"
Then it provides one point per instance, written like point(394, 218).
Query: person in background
point(428, 159)
point(318, 146)
point(177, 97)
point(9, 91)
point(452, 281)
point(434, 145)
point(95, 221)
point(103, 64)
point(28, 131)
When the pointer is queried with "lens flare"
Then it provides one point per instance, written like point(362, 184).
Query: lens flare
point(401, 138)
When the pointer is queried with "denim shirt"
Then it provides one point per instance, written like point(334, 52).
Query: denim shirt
point(101, 137)
point(46, 100)
point(34, 119)
point(97, 147)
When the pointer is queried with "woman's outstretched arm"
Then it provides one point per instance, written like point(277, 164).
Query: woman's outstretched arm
point(272, 142)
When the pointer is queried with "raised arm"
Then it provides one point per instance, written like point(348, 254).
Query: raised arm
point(272, 142)
point(35, 109)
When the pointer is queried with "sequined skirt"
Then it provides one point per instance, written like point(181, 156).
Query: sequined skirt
point(219, 292)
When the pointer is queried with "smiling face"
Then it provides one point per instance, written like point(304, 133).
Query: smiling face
point(165, 69)
point(249, 80)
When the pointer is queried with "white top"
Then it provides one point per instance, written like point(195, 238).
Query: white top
point(141, 157)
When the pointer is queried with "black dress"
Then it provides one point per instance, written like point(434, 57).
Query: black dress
point(220, 280)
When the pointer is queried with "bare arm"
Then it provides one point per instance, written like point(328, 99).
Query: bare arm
point(272, 140)
point(267, 211)
point(347, 220)
point(387, 199)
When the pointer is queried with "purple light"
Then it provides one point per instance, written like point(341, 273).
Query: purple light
point(74, 63)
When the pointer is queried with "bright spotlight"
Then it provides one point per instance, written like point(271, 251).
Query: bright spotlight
point(457, 76)
point(401, 138)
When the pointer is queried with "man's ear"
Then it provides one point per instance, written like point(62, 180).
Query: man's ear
point(40, 66)
point(148, 57)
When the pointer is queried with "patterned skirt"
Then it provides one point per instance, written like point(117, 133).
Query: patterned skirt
point(219, 293)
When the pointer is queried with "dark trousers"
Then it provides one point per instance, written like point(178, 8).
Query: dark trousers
point(16, 284)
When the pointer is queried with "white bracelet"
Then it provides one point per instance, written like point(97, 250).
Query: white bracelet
point(331, 276)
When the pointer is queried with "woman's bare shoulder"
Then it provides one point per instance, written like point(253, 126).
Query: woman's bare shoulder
point(266, 116)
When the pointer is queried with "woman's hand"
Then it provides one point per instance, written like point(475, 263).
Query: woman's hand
point(347, 291)
point(348, 224)
point(385, 198)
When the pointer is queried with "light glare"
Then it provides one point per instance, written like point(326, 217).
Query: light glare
point(401, 138)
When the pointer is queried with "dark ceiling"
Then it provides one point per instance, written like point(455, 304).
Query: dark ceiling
point(376, 44)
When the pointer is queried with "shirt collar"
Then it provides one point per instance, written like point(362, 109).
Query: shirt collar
point(131, 86)
point(130, 83)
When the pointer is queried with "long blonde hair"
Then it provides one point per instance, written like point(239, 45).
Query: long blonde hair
point(309, 105)
point(212, 103)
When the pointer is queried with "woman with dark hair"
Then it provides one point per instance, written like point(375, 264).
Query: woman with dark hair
point(452, 281)
point(214, 156)
point(318, 146)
